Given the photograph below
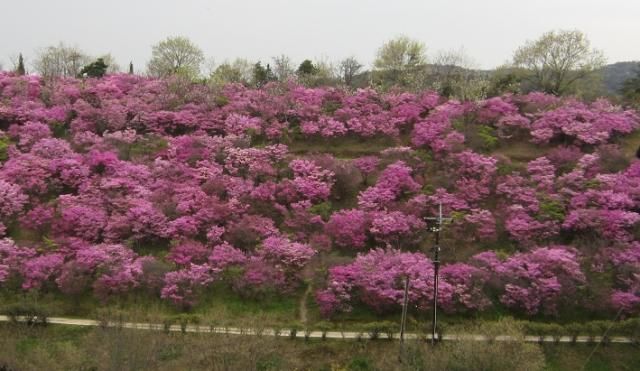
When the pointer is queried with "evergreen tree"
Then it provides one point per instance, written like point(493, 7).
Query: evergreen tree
point(262, 75)
point(20, 69)
point(307, 68)
point(96, 69)
point(130, 68)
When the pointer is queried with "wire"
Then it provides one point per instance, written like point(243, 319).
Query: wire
point(602, 339)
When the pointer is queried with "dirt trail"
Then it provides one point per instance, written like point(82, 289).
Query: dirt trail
point(303, 304)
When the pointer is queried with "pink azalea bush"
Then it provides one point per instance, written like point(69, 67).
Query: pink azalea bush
point(204, 182)
point(537, 281)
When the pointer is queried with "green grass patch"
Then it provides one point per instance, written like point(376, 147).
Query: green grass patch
point(342, 147)
point(576, 357)
point(630, 143)
point(521, 151)
point(93, 348)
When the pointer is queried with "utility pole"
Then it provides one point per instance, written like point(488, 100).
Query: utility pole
point(403, 320)
point(436, 268)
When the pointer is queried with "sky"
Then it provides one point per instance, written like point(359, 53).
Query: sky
point(488, 30)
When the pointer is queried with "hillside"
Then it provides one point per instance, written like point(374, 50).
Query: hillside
point(614, 75)
point(175, 196)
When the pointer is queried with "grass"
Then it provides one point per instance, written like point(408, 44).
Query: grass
point(520, 152)
point(219, 304)
point(66, 347)
point(342, 147)
point(630, 143)
point(574, 357)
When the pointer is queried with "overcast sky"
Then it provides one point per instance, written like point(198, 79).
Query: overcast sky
point(489, 30)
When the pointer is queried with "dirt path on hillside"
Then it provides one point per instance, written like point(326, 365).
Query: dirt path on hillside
point(303, 304)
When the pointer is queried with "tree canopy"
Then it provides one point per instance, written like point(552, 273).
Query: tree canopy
point(557, 61)
point(96, 69)
point(401, 61)
point(175, 55)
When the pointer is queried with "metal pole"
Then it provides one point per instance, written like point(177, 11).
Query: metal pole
point(436, 265)
point(405, 304)
point(403, 320)
point(436, 270)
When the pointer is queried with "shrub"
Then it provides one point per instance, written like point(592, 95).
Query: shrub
point(29, 313)
point(488, 137)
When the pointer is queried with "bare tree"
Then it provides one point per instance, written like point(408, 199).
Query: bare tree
point(349, 68)
point(110, 61)
point(454, 74)
point(320, 72)
point(556, 61)
point(209, 67)
point(450, 64)
point(175, 55)
point(283, 68)
point(239, 71)
point(60, 61)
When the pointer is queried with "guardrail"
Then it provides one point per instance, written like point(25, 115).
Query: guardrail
point(315, 334)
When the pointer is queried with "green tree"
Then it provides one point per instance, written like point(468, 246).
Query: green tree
point(453, 74)
point(20, 70)
point(401, 61)
point(175, 55)
point(557, 61)
point(318, 73)
point(504, 79)
point(110, 61)
point(96, 69)
point(130, 68)
point(262, 75)
point(238, 71)
point(307, 68)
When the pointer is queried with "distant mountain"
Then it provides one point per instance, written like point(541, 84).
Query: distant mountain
point(614, 75)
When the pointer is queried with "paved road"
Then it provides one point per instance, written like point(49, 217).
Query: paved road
point(346, 335)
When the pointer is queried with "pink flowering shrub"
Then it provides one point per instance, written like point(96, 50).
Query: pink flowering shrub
point(290, 256)
point(225, 255)
point(29, 133)
point(395, 226)
point(474, 173)
point(12, 200)
point(183, 287)
point(625, 295)
point(468, 288)
point(366, 165)
point(311, 181)
point(593, 124)
point(12, 257)
point(393, 182)
point(201, 181)
point(348, 228)
point(41, 269)
point(187, 252)
point(436, 131)
point(537, 281)
point(376, 279)
point(483, 224)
